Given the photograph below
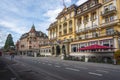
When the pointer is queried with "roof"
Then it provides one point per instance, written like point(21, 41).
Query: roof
point(67, 10)
point(37, 33)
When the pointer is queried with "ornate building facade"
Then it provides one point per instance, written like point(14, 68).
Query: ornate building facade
point(95, 22)
point(31, 43)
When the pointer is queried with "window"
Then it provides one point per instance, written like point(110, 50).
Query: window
point(94, 34)
point(106, 43)
point(30, 47)
point(79, 11)
point(106, 9)
point(87, 35)
point(70, 15)
point(30, 42)
point(92, 3)
point(111, 6)
point(79, 22)
point(104, 1)
point(85, 7)
point(22, 46)
point(106, 19)
point(86, 19)
point(111, 18)
point(109, 31)
point(93, 16)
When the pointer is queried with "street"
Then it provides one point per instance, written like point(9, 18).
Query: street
point(52, 68)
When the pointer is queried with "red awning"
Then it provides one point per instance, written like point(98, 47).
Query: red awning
point(95, 46)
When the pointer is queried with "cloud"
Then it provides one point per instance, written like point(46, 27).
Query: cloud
point(52, 14)
point(17, 16)
point(12, 27)
point(68, 1)
point(79, 2)
point(3, 35)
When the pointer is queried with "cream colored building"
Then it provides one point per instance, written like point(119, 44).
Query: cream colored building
point(93, 22)
point(32, 43)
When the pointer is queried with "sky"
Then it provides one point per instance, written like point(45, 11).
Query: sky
point(18, 16)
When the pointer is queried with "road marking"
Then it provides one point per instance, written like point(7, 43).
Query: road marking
point(102, 71)
point(57, 66)
point(46, 61)
point(65, 65)
point(72, 69)
point(56, 63)
point(43, 63)
point(49, 64)
point(81, 67)
point(97, 74)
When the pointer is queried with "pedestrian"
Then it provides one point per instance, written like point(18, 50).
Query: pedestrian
point(12, 56)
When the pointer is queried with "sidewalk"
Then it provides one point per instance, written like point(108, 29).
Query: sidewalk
point(7, 73)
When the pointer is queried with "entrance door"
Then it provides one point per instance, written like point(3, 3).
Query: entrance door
point(53, 51)
point(63, 50)
point(57, 50)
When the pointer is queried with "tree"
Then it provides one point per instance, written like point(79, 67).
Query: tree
point(9, 43)
point(117, 56)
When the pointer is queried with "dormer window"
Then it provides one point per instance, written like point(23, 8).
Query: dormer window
point(92, 3)
point(79, 22)
point(85, 7)
point(79, 11)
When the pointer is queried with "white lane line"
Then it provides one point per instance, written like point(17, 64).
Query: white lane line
point(97, 74)
point(82, 67)
point(46, 61)
point(57, 66)
point(102, 71)
point(72, 69)
point(43, 63)
point(49, 64)
point(65, 65)
point(56, 63)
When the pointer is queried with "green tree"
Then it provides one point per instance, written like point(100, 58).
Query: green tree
point(9, 43)
point(117, 56)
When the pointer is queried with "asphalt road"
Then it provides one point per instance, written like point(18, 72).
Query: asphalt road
point(50, 68)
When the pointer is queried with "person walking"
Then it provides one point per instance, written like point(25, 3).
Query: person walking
point(12, 55)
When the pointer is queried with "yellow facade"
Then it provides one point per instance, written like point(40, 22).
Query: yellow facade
point(93, 22)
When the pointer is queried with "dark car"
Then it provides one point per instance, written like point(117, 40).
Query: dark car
point(0, 53)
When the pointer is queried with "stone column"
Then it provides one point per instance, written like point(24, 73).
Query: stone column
point(116, 44)
point(35, 54)
point(68, 27)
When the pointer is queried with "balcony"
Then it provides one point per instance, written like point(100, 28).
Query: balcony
point(108, 11)
point(89, 37)
point(110, 23)
point(94, 27)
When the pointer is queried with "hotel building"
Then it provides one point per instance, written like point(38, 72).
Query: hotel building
point(95, 22)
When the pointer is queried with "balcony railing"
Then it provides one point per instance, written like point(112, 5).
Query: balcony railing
point(87, 29)
point(108, 11)
point(95, 36)
point(110, 23)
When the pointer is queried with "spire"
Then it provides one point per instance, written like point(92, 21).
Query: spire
point(64, 4)
point(32, 28)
